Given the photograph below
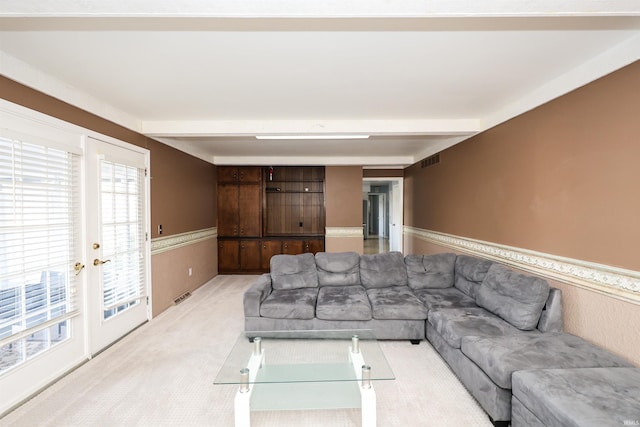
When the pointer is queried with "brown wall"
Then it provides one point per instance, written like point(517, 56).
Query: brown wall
point(185, 196)
point(183, 190)
point(343, 197)
point(343, 203)
point(382, 173)
point(171, 271)
point(561, 179)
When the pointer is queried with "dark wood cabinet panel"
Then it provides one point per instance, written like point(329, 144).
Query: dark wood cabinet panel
point(239, 202)
point(294, 202)
point(228, 210)
point(269, 249)
point(249, 174)
point(292, 247)
point(249, 218)
point(262, 214)
point(228, 256)
point(250, 256)
point(235, 174)
point(313, 246)
point(227, 174)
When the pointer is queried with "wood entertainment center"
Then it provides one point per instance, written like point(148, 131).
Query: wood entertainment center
point(265, 211)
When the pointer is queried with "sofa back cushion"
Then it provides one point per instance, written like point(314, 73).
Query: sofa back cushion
point(293, 271)
point(338, 268)
point(383, 270)
point(469, 273)
point(515, 297)
point(430, 271)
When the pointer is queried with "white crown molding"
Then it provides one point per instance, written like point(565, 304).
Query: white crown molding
point(169, 243)
point(615, 282)
point(344, 232)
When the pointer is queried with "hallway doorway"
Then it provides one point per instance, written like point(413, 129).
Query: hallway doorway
point(382, 216)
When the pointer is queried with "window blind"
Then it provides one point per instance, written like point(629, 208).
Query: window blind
point(123, 236)
point(39, 226)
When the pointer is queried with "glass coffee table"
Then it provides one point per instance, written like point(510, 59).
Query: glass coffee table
point(305, 370)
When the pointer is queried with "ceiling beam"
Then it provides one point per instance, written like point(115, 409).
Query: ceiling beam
point(314, 127)
point(314, 8)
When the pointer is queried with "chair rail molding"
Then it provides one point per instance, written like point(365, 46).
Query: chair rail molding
point(612, 281)
point(344, 232)
point(175, 241)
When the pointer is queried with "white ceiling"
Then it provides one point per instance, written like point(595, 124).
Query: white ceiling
point(417, 76)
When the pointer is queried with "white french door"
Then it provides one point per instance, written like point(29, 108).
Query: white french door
point(41, 311)
point(117, 241)
point(67, 200)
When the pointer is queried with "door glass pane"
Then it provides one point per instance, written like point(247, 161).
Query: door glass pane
point(38, 227)
point(122, 195)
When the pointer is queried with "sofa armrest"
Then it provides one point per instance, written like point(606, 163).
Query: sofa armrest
point(551, 318)
point(257, 293)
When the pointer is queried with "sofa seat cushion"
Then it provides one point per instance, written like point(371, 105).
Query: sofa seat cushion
point(517, 298)
point(290, 304)
point(338, 268)
point(343, 303)
point(430, 271)
point(396, 302)
point(469, 273)
point(453, 324)
point(293, 271)
point(434, 299)
point(591, 397)
point(383, 270)
point(499, 357)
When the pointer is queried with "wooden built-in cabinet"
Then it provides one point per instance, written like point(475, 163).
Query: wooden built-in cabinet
point(239, 202)
point(264, 211)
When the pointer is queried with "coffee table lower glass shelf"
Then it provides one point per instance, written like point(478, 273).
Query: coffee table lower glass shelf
point(305, 370)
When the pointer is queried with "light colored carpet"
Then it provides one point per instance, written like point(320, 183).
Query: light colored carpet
point(162, 375)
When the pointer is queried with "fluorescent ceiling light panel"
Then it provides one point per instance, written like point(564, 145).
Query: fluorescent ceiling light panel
point(351, 136)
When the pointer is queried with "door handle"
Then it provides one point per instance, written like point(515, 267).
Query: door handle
point(98, 262)
point(78, 267)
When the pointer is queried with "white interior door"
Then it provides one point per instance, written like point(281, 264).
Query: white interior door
point(396, 216)
point(118, 249)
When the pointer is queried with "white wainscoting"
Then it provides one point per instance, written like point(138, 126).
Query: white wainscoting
point(344, 232)
point(612, 281)
point(164, 244)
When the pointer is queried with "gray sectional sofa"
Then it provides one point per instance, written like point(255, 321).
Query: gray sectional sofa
point(336, 291)
point(486, 321)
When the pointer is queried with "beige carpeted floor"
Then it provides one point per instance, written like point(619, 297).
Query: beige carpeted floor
point(162, 375)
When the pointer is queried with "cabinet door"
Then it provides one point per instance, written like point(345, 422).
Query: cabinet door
point(269, 249)
point(249, 204)
point(313, 213)
point(227, 173)
point(313, 246)
point(250, 255)
point(292, 247)
point(249, 174)
point(228, 213)
point(228, 256)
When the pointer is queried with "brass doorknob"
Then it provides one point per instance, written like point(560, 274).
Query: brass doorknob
point(98, 262)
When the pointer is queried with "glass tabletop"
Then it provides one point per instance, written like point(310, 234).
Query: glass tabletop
point(304, 357)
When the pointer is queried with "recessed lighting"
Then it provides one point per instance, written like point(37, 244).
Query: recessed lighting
point(328, 136)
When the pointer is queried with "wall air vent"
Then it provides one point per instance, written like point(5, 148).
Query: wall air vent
point(182, 298)
point(430, 161)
